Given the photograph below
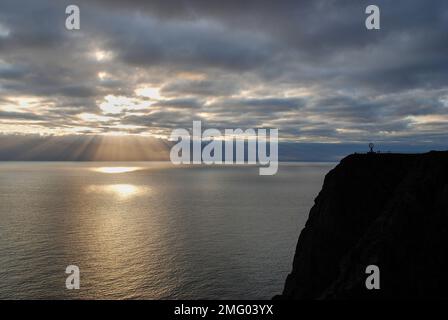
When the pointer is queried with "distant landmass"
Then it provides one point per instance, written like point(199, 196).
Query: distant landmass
point(388, 210)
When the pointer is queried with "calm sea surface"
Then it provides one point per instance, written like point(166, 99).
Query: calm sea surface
point(150, 230)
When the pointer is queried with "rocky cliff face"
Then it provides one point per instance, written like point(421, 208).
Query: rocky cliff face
point(388, 210)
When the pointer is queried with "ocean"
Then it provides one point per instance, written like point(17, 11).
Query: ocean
point(151, 230)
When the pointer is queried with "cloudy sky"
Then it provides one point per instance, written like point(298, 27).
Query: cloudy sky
point(141, 68)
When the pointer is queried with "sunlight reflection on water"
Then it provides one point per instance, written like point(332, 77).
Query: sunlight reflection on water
point(120, 190)
point(160, 232)
point(112, 170)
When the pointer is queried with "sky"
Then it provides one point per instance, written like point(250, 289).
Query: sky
point(136, 70)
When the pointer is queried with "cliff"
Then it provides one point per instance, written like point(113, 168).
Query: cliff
point(389, 210)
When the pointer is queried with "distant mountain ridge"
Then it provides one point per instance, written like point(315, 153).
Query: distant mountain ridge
point(389, 210)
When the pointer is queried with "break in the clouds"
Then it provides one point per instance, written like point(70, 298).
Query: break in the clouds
point(309, 68)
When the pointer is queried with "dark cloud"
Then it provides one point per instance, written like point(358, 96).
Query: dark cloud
point(327, 34)
point(162, 119)
point(20, 116)
point(201, 88)
point(179, 103)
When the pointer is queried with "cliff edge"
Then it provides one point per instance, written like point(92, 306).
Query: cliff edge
point(388, 210)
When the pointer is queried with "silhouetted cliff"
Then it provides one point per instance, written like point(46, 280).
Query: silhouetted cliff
point(389, 210)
